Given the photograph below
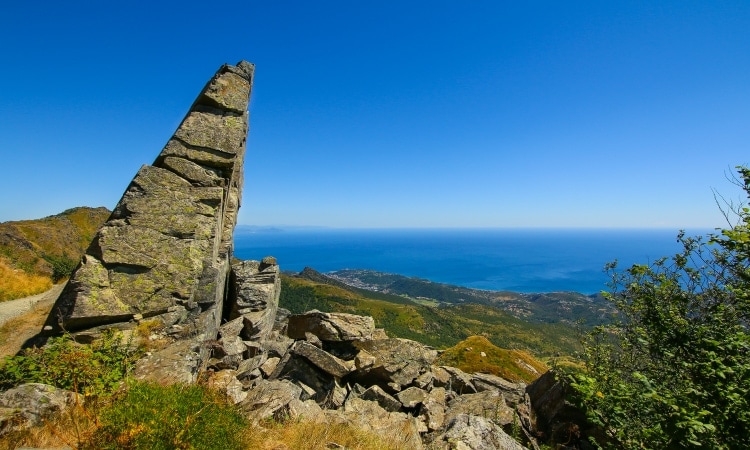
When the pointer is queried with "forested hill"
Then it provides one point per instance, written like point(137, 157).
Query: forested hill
point(441, 327)
point(548, 307)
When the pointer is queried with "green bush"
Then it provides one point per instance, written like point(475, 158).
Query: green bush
point(674, 370)
point(62, 266)
point(149, 416)
point(88, 369)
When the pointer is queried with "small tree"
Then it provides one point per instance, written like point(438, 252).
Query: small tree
point(673, 370)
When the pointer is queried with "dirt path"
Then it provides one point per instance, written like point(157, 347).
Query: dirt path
point(15, 308)
point(23, 318)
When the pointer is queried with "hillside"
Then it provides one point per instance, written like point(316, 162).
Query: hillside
point(552, 307)
point(34, 253)
point(439, 326)
point(478, 354)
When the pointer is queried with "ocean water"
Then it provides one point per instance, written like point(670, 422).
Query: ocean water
point(521, 260)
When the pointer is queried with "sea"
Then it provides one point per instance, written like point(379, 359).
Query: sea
point(520, 260)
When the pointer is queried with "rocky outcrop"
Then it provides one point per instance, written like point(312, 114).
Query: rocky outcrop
point(167, 243)
point(336, 368)
point(164, 253)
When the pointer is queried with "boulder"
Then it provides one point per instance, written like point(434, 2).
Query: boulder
point(476, 433)
point(395, 427)
point(30, 404)
point(513, 392)
point(269, 399)
point(398, 361)
point(386, 401)
point(551, 417)
point(331, 326)
point(487, 404)
point(255, 288)
point(322, 359)
point(411, 397)
point(432, 410)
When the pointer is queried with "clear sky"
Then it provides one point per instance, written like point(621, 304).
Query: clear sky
point(391, 113)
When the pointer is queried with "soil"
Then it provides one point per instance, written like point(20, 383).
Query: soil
point(21, 319)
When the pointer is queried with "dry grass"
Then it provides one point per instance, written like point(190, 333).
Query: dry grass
point(72, 429)
point(15, 283)
point(299, 435)
point(76, 428)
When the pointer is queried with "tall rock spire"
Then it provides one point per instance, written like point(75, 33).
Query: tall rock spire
point(165, 249)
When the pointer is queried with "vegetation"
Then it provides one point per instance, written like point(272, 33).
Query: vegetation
point(478, 354)
point(169, 417)
point(674, 370)
point(440, 327)
point(92, 370)
point(35, 253)
point(15, 283)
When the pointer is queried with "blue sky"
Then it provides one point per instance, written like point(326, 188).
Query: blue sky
point(391, 114)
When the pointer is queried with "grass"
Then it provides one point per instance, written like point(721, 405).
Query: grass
point(15, 283)
point(150, 416)
point(478, 354)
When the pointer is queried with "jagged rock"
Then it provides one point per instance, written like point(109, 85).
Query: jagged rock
point(331, 326)
point(314, 340)
point(459, 381)
point(411, 397)
point(246, 367)
point(305, 411)
point(30, 404)
point(255, 288)
point(488, 404)
point(466, 432)
point(167, 243)
point(433, 409)
point(269, 366)
point(281, 321)
point(386, 401)
point(297, 368)
point(226, 381)
point(232, 328)
point(322, 359)
point(424, 381)
point(372, 417)
point(513, 392)
point(308, 393)
point(397, 360)
point(277, 344)
point(177, 363)
point(268, 398)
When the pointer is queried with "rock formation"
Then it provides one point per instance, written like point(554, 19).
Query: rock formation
point(165, 250)
point(165, 257)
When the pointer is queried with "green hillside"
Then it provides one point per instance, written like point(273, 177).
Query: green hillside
point(441, 327)
point(549, 307)
point(478, 354)
point(33, 253)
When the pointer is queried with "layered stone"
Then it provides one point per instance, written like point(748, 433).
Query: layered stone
point(168, 241)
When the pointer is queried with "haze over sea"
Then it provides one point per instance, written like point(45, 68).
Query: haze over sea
point(520, 260)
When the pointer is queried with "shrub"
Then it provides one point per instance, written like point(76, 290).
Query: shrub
point(169, 417)
point(674, 370)
point(62, 266)
point(95, 369)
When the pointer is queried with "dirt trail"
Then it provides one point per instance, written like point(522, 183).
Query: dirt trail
point(23, 318)
point(14, 308)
